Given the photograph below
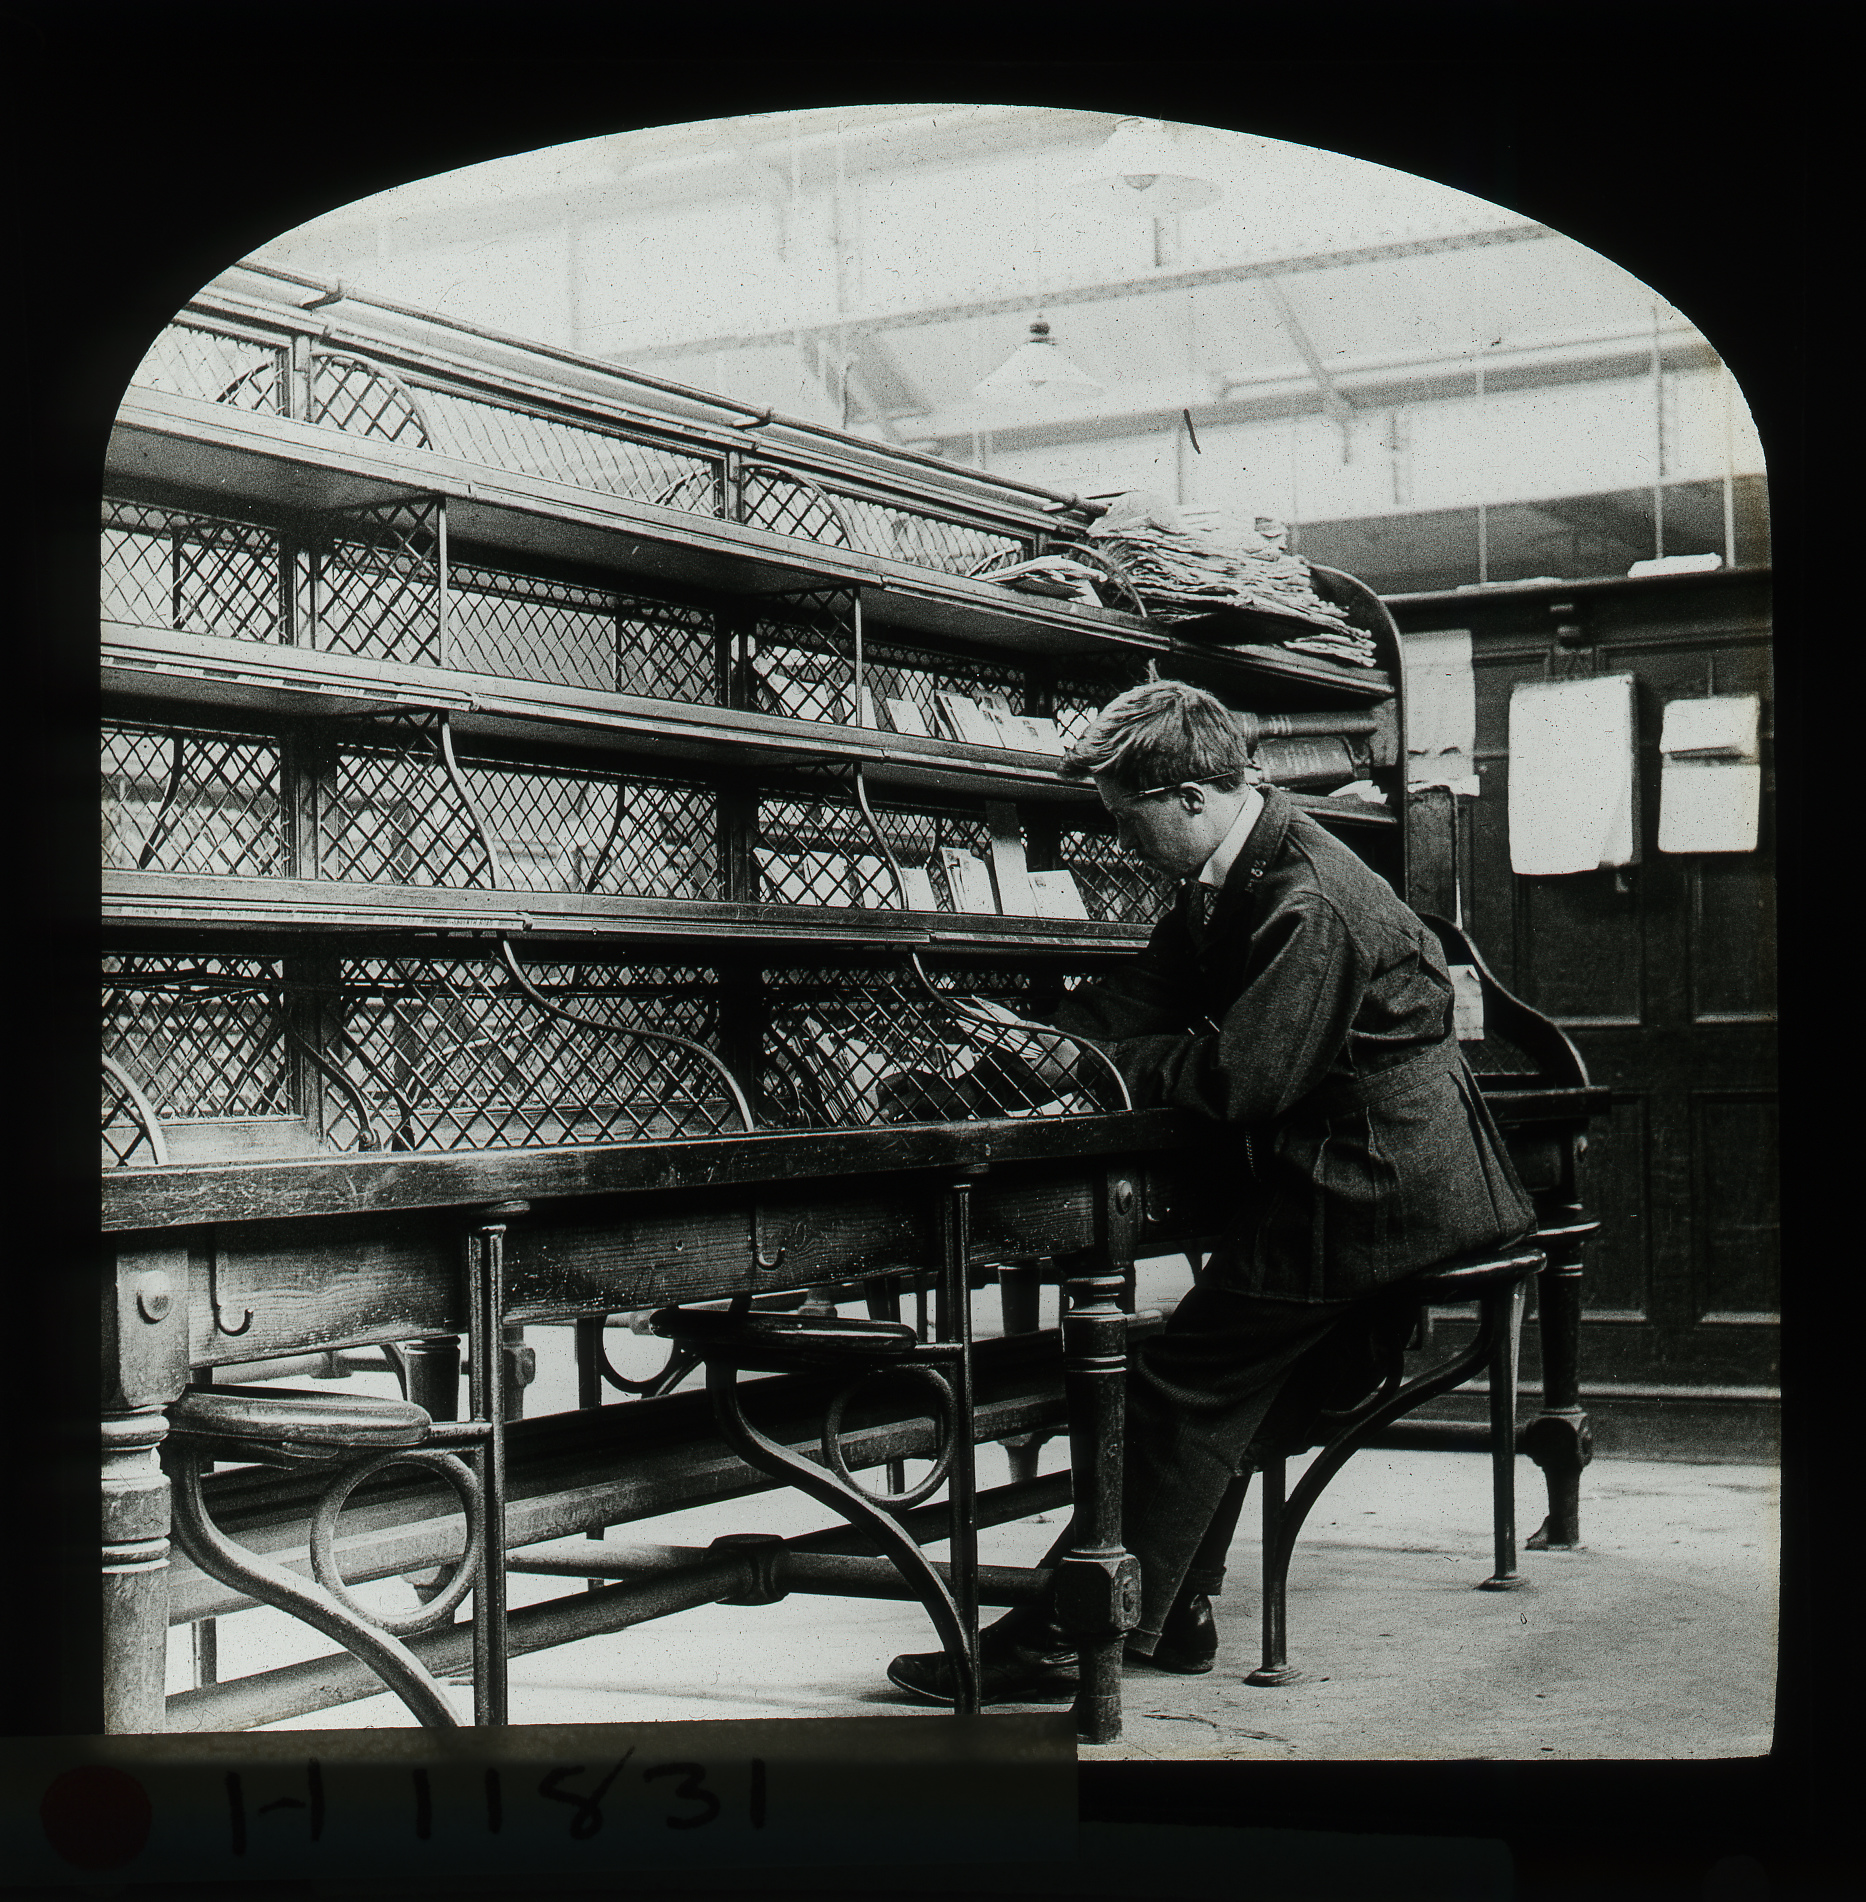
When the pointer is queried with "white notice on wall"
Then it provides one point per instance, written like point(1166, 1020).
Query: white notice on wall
point(1572, 760)
point(1467, 1003)
point(906, 716)
point(1441, 708)
point(1710, 785)
point(1709, 806)
point(1723, 726)
point(917, 886)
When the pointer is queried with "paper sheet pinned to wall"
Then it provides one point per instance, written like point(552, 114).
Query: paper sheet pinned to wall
point(1573, 747)
point(1441, 709)
point(1723, 726)
point(1710, 785)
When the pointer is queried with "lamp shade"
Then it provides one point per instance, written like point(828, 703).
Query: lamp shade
point(1143, 168)
point(1037, 369)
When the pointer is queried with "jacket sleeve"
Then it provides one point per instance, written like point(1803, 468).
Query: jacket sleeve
point(1151, 992)
point(1302, 987)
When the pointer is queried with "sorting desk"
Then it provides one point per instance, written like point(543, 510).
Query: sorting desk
point(422, 645)
point(328, 1253)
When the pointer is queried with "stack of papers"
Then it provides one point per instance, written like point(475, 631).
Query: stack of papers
point(1180, 576)
point(990, 722)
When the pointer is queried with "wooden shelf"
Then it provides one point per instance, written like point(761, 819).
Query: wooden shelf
point(174, 900)
point(294, 682)
point(153, 663)
point(164, 444)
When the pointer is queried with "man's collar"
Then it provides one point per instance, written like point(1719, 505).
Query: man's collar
point(1217, 868)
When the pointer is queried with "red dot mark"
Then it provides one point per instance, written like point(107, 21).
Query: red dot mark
point(96, 1817)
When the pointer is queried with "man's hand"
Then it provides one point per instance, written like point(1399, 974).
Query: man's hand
point(918, 1096)
point(1048, 1055)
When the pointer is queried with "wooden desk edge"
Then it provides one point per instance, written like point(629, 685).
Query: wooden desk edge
point(187, 1195)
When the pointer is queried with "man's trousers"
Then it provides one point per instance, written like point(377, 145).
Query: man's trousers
point(1228, 1370)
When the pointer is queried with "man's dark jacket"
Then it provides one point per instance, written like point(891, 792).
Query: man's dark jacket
point(1363, 1151)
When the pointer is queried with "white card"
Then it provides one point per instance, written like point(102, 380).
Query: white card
point(1056, 895)
point(907, 717)
point(969, 881)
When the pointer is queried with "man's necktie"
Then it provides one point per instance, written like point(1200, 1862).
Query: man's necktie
point(1203, 898)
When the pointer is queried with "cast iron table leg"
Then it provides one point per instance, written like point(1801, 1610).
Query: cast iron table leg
point(1097, 1582)
point(145, 1349)
point(1558, 1438)
point(136, 1564)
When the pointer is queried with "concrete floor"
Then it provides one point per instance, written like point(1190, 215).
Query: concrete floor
point(1655, 1639)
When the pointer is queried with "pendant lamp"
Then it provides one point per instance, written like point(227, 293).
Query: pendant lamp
point(1037, 369)
point(1144, 168)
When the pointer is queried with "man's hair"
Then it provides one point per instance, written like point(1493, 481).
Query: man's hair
point(1161, 733)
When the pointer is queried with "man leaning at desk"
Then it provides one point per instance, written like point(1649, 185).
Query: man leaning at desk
point(1291, 996)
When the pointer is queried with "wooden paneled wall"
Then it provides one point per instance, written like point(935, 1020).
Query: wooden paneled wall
point(1662, 973)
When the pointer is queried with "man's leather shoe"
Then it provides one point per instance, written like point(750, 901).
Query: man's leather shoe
point(1024, 1660)
point(1188, 1640)
point(1034, 1664)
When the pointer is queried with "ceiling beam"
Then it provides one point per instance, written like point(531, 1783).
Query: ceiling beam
point(1431, 380)
point(1335, 406)
point(1162, 284)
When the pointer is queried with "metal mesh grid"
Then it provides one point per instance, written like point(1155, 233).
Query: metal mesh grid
point(1115, 888)
point(865, 1045)
point(377, 582)
point(581, 454)
point(802, 653)
point(451, 1054)
point(572, 830)
point(199, 1034)
point(1079, 699)
point(928, 541)
point(895, 672)
point(126, 1138)
point(186, 799)
point(569, 634)
point(793, 505)
point(391, 814)
point(350, 394)
point(189, 359)
point(204, 574)
point(818, 850)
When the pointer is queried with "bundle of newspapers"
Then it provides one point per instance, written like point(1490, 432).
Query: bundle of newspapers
point(1183, 574)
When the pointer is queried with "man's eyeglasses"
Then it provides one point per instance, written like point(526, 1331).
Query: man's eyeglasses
point(1154, 792)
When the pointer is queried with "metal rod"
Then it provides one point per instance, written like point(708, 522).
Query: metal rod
point(956, 1325)
point(323, 1683)
point(389, 1662)
point(486, 1388)
point(761, 415)
point(836, 1574)
point(299, 1689)
point(856, 661)
point(1507, 1318)
point(1275, 1582)
point(612, 1030)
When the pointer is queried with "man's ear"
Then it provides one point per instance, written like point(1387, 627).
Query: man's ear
point(1192, 798)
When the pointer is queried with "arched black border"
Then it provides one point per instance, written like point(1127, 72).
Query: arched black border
point(164, 143)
